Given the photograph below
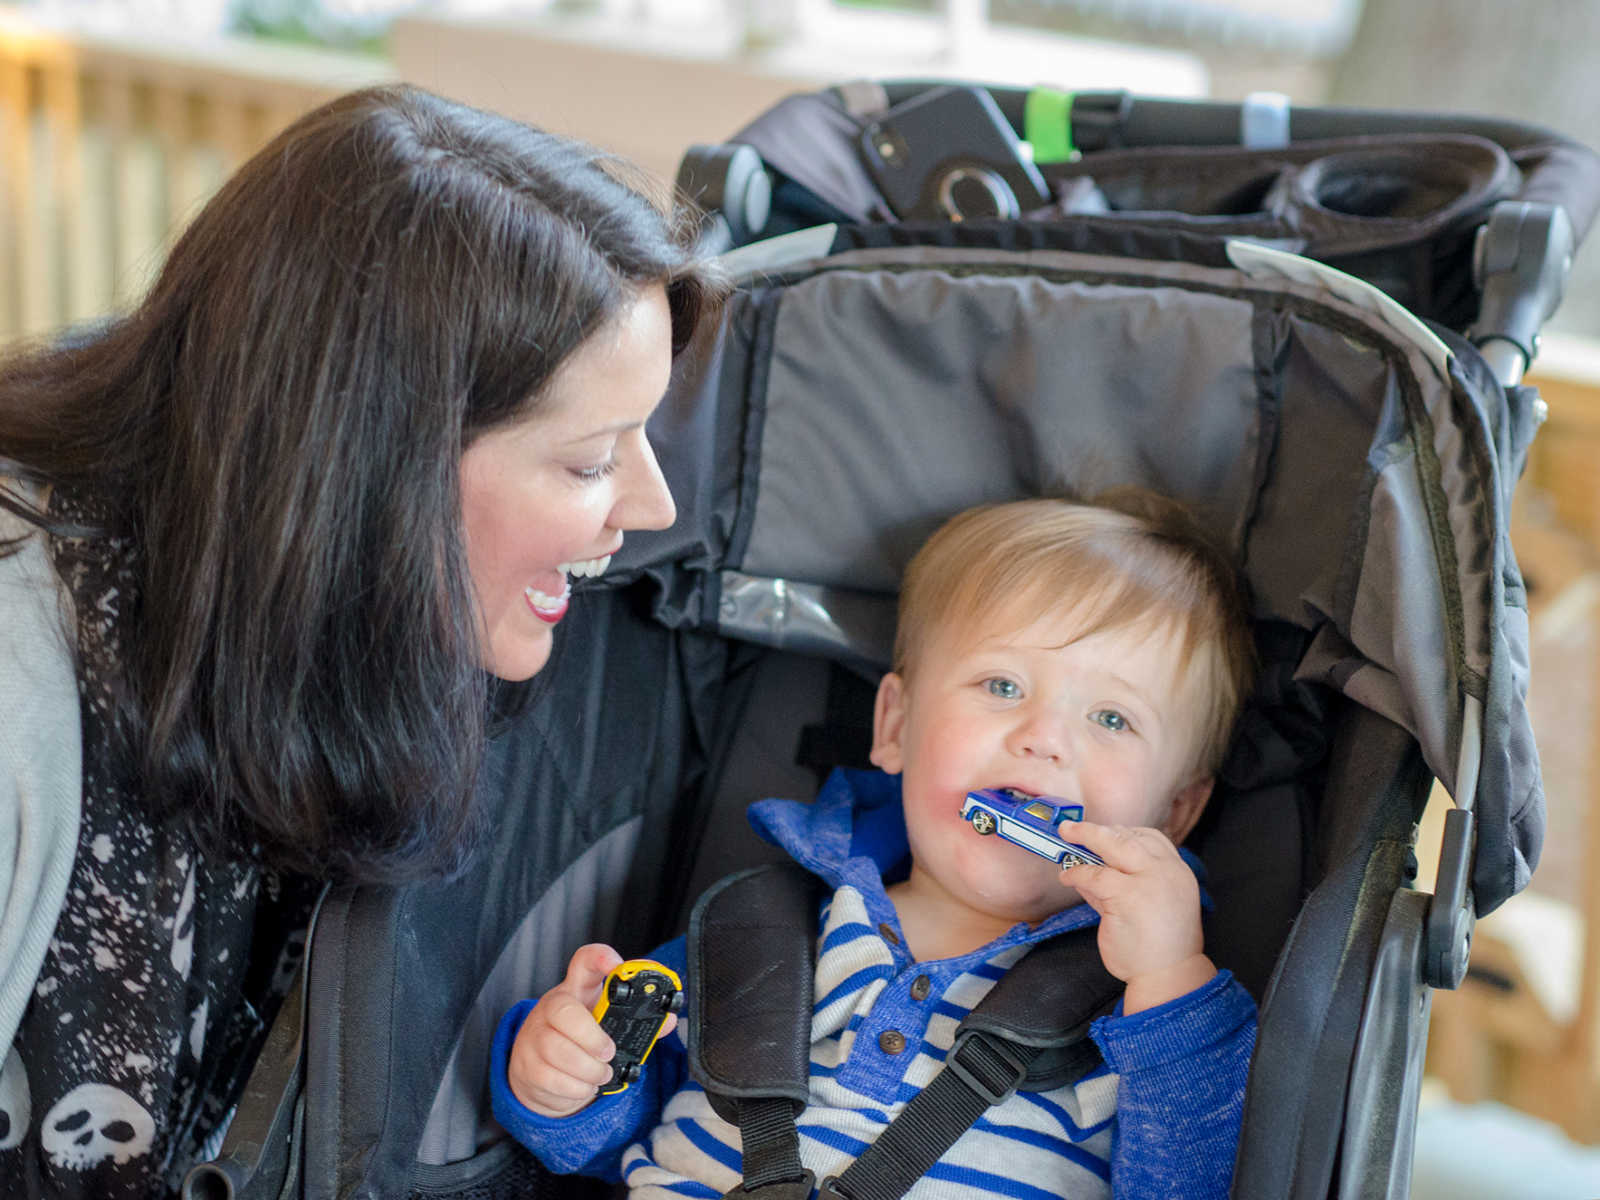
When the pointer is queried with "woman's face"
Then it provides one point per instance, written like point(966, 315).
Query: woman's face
point(549, 496)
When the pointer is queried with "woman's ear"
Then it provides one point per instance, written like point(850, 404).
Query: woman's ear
point(1186, 808)
point(888, 723)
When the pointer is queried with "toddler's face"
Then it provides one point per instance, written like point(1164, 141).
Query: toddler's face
point(1105, 721)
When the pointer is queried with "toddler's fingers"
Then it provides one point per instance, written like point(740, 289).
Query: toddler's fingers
point(565, 1058)
point(569, 1017)
point(1092, 882)
point(588, 970)
point(1125, 847)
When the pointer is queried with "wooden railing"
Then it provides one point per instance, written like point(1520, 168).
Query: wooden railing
point(107, 144)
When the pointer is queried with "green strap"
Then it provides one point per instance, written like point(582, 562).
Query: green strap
point(1047, 124)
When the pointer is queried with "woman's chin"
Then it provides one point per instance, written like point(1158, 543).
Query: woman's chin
point(521, 658)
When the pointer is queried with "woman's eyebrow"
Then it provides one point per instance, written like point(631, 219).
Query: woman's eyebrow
point(607, 431)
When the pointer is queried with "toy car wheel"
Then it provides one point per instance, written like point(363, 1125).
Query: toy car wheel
point(675, 1002)
point(983, 822)
point(621, 991)
point(631, 1073)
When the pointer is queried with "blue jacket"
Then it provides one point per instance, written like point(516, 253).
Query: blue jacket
point(1160, 1119)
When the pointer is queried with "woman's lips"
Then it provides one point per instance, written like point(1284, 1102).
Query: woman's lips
point(546, 607)
point(550, 607)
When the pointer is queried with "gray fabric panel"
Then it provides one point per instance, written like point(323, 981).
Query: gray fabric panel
point(896, 399)
point(1399, 664)
point(581, 905)
point(1400, 623)
point(1469, 477)
point(1511, 769)
point(1333, 395)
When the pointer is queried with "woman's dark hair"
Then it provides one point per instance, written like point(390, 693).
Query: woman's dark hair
point(279, 426)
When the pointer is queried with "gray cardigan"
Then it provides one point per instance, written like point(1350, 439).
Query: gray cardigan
point(41, 764)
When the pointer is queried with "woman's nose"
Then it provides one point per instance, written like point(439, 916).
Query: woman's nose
point(646, 503)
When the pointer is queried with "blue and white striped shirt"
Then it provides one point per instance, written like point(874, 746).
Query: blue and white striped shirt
point(1032, 1147)
point(882, 1025)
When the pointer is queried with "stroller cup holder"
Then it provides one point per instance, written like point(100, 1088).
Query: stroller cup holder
point(1393, 185)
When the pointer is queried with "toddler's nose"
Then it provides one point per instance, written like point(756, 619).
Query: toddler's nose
point(1039, 738)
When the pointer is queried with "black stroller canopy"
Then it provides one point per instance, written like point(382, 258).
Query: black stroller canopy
point(1301, 401)
point(847, 405)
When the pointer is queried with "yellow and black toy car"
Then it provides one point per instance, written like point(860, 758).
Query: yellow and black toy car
point(634, 1004)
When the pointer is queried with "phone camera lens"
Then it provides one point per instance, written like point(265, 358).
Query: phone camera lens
point(976, 193)
point(891, 147)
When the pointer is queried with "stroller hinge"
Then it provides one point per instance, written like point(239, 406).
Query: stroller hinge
point(1520, 263)
point(1448, 932)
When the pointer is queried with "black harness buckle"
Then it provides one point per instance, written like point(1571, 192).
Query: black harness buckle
point(990, 1068)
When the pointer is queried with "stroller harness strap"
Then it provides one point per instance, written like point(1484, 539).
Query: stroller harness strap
point(751, 950)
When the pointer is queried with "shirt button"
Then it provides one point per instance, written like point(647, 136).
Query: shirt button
point(920, 987)
point(889, 935)
point(891, 1041)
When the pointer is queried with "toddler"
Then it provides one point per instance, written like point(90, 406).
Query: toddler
point(1096, 653)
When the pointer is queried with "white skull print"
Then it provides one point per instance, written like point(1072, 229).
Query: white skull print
point(95, 1122)
point(16, 1104)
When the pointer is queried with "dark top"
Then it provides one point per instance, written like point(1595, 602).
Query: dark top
point(167, 964)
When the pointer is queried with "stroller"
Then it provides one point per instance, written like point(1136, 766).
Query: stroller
point(1314, 338)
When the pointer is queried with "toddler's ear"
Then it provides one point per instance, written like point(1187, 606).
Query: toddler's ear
point(1187, 806)
point(888, 723)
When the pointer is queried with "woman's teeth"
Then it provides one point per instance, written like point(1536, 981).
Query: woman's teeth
point(581, 568)
point(546, 603)
point(586, 566)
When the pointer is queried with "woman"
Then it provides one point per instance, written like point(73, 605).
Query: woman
point(269, 539)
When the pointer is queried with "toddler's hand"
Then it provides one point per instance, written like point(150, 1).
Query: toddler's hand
point(1149, 905)
point(560, 1057)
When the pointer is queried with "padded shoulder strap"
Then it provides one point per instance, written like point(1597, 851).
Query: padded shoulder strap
point(1028, 1032)
point(1046, 1002)
point(752, 940)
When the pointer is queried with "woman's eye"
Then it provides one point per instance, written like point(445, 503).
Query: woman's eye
point(1110, 719)
point(596, 472)
point(1006, 689)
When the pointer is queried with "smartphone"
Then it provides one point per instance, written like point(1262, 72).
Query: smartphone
point(949, 154)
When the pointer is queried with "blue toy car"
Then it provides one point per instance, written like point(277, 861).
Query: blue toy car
point(1029, 822)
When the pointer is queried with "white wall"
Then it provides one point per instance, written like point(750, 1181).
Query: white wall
point(648, 91)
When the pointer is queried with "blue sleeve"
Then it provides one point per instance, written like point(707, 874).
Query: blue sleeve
point(591, 1140)
point(1183, 1068)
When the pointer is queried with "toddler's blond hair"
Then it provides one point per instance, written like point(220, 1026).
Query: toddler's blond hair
point(1128, 558)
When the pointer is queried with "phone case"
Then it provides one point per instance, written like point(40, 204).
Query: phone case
point(950, 154)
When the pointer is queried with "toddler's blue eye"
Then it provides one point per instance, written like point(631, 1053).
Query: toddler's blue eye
point(1006, 689)
point(1110, 719)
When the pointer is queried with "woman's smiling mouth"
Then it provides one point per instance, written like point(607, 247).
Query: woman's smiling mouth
point(551, 609)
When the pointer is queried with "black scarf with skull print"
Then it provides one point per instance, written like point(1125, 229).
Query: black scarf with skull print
point(165, 967)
